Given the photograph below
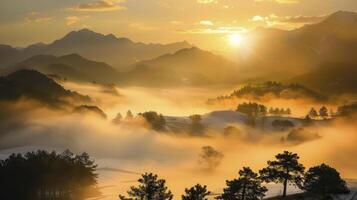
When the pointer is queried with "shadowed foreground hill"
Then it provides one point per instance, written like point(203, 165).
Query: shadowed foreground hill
point(37, 86)
point(71, 66)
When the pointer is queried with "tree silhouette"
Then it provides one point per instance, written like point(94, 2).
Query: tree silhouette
point(47, 175)
point(157, 121)
point(246, 187)
point(197, 192)
point(129, 115)
point(150, 188)
point(117, 118)
point(232, 131)
point(323, 112)
point(252, 110)
point(324, 180)
point(286, 168)
point(313, 113)
point(196, 126)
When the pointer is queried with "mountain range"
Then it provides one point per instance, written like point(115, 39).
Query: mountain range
point(118, 52)
point(298, 56)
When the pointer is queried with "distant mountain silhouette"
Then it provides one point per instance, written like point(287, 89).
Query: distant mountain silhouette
point(71, 66)
point(191, 66)
point(36, 86)
point(290, 53)
point(330, 78)
point(118, 52)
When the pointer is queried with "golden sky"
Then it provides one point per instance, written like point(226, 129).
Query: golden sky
point(205, 23)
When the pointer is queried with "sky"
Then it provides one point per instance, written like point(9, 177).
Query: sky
point(205, 23)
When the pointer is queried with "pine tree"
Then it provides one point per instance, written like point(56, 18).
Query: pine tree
point(323, 112)
point(246, 187)
point(325, 181)
point(197, 192)
point(286, 168)
point(150, 188)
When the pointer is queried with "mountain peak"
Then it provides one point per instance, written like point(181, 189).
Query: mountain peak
point(83, 33)
point(342, 17)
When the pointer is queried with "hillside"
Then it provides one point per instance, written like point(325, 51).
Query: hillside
point(330, 78)
point(71, 66)
point(36, 86)
point(299, 51)
point(272, 90)
point(190, 67)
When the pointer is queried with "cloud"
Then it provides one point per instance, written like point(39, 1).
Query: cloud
point(280, 1)
point(206, 23)
point(206, 1)
point(35, 17)
point(142, 27)
point(217, 30)
point(176, 22)
point(287, 22)
point(71, 20)
point(100, 6)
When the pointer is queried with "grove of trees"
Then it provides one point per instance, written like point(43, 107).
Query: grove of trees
point(252, 110)
point(48, 175)
point(157, 121)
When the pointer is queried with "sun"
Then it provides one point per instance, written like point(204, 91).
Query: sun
point(235, 39)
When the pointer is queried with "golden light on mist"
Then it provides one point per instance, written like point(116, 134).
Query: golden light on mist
point(235, 39)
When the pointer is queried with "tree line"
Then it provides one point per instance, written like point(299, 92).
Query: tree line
point(66, 176)
point(320, 182)
point(48, 175)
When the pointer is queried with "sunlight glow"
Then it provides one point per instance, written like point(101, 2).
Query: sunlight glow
point(235, 39)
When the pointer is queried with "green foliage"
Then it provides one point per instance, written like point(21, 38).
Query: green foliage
point(44, 175)
point(150, 188)
point(325, 181)
point(246, 187)
point(157, 121)
point(197, 192)
point(286, 168)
